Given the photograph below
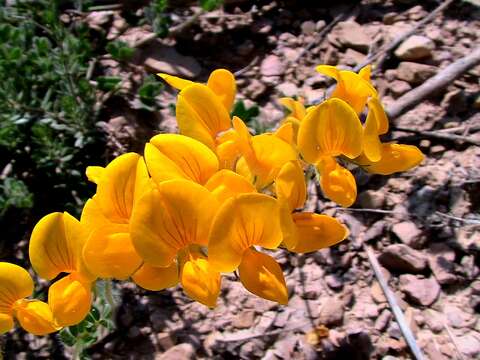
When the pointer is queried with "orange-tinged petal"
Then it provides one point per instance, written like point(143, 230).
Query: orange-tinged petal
point(395, 158)
point(172, 156)
point(167, 219)
point(94, 173)
point(116, 189)
point(332, 129)
point(372, 147)
point(109, 253)
point(226, 183)
point(15, 284)
point(376, 107)
point(314, 232)
point(295, 126)
point(92, 216)
point(228, 152)
point(262, 276)
point(199, 279)
point(56, 246)
point(200, 114)
point(35, 317)
point(175, 81)
point(296, 108)
point(156, 278)
point(339, 185)
point(241, 222)
point(70, 300)
point(222, 83)
point(286, 133)
point(290, 185)
point(365, 72)
point(6, 323)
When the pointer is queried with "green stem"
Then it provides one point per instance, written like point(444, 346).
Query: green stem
point(109, 294)
point(77, 350)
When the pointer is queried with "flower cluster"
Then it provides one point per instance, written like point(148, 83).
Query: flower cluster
point(206, 201)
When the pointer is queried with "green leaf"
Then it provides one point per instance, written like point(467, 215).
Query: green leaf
point(67, 338)
point(120, 50)
point(108, 83)
point(209, 5)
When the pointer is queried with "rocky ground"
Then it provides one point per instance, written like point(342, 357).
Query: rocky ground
point(427, 236)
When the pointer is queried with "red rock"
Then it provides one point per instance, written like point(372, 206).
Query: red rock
point(409, 234)
point(272, 66)
point(421, 291)
point(401, 257)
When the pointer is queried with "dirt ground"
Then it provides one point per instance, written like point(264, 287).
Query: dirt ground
point(426, 236)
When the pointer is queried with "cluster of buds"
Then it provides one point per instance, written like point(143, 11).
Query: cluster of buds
point(206, 201)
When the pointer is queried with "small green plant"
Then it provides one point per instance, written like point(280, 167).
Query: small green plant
point(120, 50)
point(249, 114)
point(156, 15)
point(209, 5)
point(150, 89)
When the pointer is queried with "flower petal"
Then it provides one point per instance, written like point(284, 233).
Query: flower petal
point(295, 107)
point(35, 317)
point(92, 216)
point(175, 81)
point(226, 184)
point(70, 300)
point(314, 232)
point(116, 188)
point(94, 173)
point(395, 158)
point(6, 323)
point(286, 133)
point(365, 72)
point(243, 221)
point(56, 246)
point(222, 83)
point(199, 280)
point(172, 156)
point(372, 147)
point(262, 276)
point(166, 220)
point(338, 184)
point(156, 278)
point(15, 284)
point(200, 114)
point(290, 185)
point(332, 129)
point(109, 253)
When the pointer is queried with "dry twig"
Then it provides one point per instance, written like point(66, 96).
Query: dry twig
point(438, 135)
point(397, 312)
point(432, 85)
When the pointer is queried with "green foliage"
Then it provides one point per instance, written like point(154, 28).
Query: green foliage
point(47, 122)
point(150, 89)
point(249, 115)
point(156, 15)
point(120, 50)
point(209, 5)
point(14, 192)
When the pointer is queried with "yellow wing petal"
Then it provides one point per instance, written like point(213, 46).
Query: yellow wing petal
point(286, 133)
point(339, 185)
point(331, 129)
point(174, 81)
point(372, 147)
point(314, 232)
point(92, 216)
point(262, 276)
point(6, 323)
point(295, 107)
point(241, 222)
point(354, 90)
point(171, 156)
point(395, 158)
point(70, 300)
point(222, 83)
point(290, 185)
point(156, 278)
point(166, 220)
point(329, 70)
point(116, 189)
point(56, 246)
point(109, 253)
point(200, 114)
point(226, 184)
point(94, 173)
point(35, 317)
point(199, 280)
point(15, 284)
point(365, 72)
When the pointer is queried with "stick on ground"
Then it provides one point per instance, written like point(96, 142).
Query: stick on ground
point(432, 85)
point(397, 312)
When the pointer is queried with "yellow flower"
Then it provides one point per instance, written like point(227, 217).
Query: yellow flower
point(351, 87)
point(108, 251)
point(245, 221)
point(330, 130)
point(220, 81)
point(262, 155)
point(296, 114)
point(168, 226)
point(303, 231)
point(33, 315)
point(56, 247)
point(384, 158)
